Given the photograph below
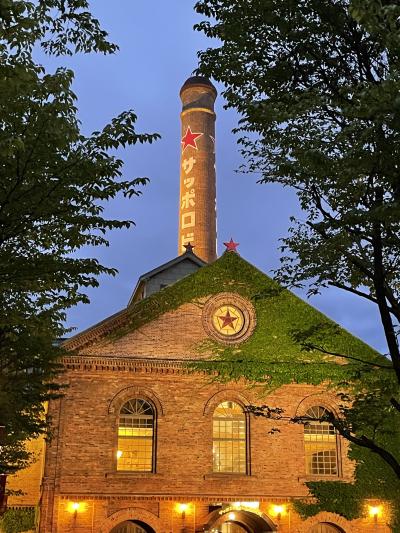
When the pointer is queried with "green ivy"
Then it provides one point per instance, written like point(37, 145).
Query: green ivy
point(373, 479)
point(18, 520)
point(272, 355)
point(280, 317)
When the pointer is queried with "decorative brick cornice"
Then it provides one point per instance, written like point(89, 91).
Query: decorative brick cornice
point(125, 364)
point(98, 330)
point(179, 496)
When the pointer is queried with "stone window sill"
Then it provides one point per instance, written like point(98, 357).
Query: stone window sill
point(225, 475)
point(122, 474)
point(304, 479)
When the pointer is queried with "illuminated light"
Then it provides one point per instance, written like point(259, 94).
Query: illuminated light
point(182, 508)
point(278, 510)
point(249, 505)
point(119, 454)
point(74, 507)
point(374, 510)
point(231, 516)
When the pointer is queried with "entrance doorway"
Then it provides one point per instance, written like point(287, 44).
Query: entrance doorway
point(325, 527)
point(238, 521)
point(132, 526)
point(233, 527)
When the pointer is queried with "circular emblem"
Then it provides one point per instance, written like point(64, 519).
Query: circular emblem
point(229, 318)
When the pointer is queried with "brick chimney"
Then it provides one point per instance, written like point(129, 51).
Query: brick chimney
point(197, 213)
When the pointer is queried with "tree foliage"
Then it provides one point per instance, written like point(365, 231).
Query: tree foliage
point(18, 520)
point(317, 85)
point(54, 182)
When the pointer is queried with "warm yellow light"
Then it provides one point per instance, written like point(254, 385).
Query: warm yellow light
point(249, 505)
point(74, 507)
point(182, 507)
point(119, 454)
point(231, 516)
point(374, 510)
point(278, 510)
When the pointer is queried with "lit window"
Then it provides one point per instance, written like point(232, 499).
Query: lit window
point(135, 436)
point(320, 441)
point(229, 438)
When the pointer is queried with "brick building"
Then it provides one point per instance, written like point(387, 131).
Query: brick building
point(144, 443)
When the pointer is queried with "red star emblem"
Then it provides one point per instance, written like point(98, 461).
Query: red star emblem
point(231, 246)
point(190, 139)
point(189, 247)
point(227, 320)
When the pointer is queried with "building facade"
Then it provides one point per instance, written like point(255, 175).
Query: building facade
point(146, 441)
point(143, 443)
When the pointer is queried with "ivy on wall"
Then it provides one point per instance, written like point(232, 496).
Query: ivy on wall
point(16, 520)
point(282, 319)
point(280, 314)
point(373, 480)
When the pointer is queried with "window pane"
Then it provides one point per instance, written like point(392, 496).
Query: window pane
point(229, 438)
point(135, 437)
point(320, 444)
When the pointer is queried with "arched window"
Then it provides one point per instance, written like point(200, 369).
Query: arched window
point(229, 438)
point(136, 436)
point(320, 442)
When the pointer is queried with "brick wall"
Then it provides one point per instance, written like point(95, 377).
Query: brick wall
point(81, 458)
point(84, 465)
point(87, 446)
point(28, 480)
point(172, 335)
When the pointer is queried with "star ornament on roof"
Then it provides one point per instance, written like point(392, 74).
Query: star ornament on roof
point(231, 246)
point(189, 139)
point(189, 247)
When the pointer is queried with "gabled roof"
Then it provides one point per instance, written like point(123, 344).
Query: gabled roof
point(119, 318)
point(279, 312)
point(187, 256)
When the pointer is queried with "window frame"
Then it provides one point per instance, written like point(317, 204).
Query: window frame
point(338, 473)
point(153, 439)
point(246, 440)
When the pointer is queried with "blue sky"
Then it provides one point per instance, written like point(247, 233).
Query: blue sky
point(157, 53)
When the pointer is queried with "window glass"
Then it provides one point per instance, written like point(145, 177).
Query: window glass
point(229, 438)
point(135, 436)
point(320, 441)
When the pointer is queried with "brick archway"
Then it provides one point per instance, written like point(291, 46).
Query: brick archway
point(127, 393)
point(228, 394)
point(252, 521)
point(131, 513)
point(327, 400)
point(330, 518)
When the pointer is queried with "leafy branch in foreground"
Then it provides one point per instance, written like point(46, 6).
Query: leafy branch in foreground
point(317, 86)
point(54, 183)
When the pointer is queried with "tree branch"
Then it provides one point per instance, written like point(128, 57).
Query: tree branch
point(352, 358)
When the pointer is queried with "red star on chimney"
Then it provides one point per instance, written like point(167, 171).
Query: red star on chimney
point(190, 139)
point(231, 246)
point(189, 247)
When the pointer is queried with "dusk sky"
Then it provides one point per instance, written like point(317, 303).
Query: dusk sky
point(157, 53)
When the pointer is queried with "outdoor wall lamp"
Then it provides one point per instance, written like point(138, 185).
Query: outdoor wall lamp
point(374, 511)
point(74, 507)
point(278, 511)
point(182, 508)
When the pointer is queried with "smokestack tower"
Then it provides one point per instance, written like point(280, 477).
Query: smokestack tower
point(197, 214)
